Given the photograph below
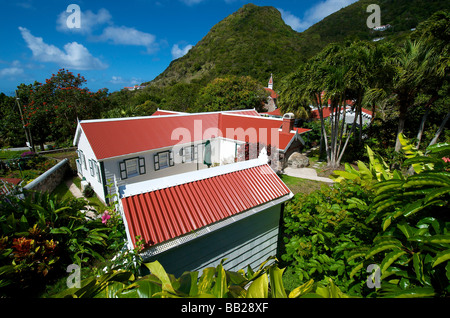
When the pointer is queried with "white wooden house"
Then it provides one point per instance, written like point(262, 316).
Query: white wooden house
point(116, 152)
point(182, 189)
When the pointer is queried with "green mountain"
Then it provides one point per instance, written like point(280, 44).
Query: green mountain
point(255, 41)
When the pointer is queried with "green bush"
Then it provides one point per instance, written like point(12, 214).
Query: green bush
point(322, 229)
point(215, 282)
point(41, 235)
point(412, 245)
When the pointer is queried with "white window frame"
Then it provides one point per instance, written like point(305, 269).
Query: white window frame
point(128, 164)
point(169, 162)
point(91, 167)
point(188, 154)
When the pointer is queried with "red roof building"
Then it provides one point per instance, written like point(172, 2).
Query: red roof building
point(182, 220)
point(180, 181)
point(111, 138)
point(130, 150)
point(167, 212)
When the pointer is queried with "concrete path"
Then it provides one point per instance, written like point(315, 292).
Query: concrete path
point(74, 189)
point(90, 211)
point(306, 173)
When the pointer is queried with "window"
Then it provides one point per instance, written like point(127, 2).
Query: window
point(188, 154)
point(131, 168)
point(163, 160)
point(97, 172)
point(91, 167)
point(82, 159)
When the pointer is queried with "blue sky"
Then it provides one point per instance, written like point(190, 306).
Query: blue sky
point(119, 43)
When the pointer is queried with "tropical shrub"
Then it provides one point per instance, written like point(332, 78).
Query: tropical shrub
point(412, 247)
point(215, 282)
point(322, 229)
point(41, 235)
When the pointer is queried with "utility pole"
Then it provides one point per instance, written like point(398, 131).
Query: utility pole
point(27, 132)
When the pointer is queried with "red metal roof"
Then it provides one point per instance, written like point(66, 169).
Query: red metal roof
point(266, 129)
point(171, 212)
point(118, 137)
point(161, 112)
point(112, 138)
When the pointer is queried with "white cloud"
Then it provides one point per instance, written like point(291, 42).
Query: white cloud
point(127, 36)
point(121, 81)
point(11, 71)
point(89, 21)
point(191, 2)
point(74, 55)
point(294, 22)
point(178, 52)
point(314, 14)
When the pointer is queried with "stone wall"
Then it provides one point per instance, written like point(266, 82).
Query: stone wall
point(50, 179)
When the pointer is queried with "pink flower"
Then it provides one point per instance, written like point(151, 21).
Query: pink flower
point(446, 159)
point(105, 217)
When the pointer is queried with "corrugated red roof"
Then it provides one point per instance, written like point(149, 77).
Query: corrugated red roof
point(118, 137)
point(112, 138)
point(160, 112)
point(165, 214)
point(266, 129)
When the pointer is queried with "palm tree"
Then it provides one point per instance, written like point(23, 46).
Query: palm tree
point(406, 71)
point(338, 73)
point(435, 33)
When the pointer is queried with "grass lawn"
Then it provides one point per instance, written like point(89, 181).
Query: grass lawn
point(298, 185)
point(64, 193)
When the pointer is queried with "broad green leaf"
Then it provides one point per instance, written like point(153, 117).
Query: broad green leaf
point(157, 270)
point(389, 259)
point(435, 239)
point(440, 147)
point(418, 267)
point(441, 257)
point(365, 172)
point(220, 286)
point(276, 282)
point(387, 186)
point(330, 291)
point(436, 193)
point(381, 247)
point(346, 175)
point(143, 288)
point(414, 293)
point(188, 284)
point(206, 280)
point(259, 288)
point(414, 208)
point(356, 269)
point(302, 290)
